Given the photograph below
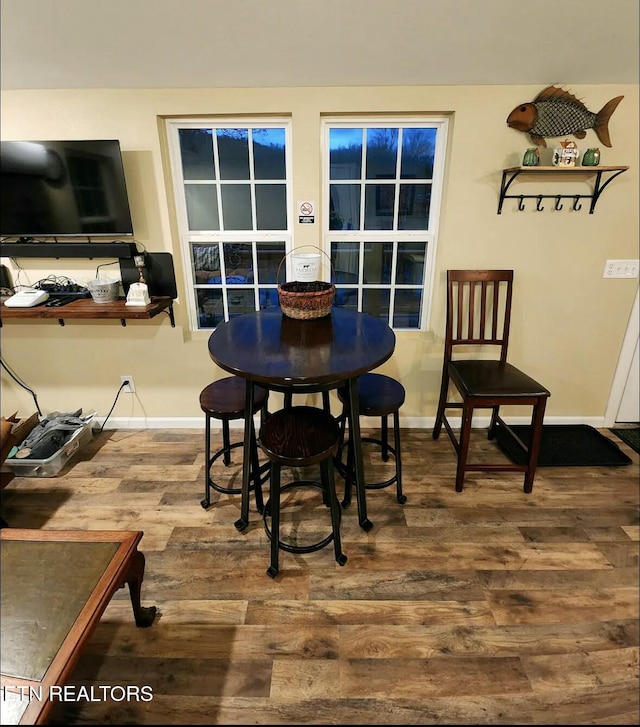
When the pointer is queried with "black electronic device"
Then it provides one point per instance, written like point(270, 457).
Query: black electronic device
point(62, 189)
point(158, 273)
point(55, 301)
point(5, 278)
point(69, 290)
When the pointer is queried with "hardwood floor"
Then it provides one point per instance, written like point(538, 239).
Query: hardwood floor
point(482, 607)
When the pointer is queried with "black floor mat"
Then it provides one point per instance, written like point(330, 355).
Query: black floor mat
point(630, 436)
point(565, 445)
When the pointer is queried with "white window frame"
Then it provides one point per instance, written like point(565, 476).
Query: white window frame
point(188, 238)
point(441, 124)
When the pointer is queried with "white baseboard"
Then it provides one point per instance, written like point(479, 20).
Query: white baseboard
point(366, 422)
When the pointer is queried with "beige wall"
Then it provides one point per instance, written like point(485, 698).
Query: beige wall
point(568, 323)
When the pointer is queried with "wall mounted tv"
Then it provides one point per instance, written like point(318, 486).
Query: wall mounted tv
point(63, 189)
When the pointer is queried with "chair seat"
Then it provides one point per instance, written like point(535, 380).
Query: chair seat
point(378, 395)
point(225, 398)
point(301, 435)
point(494, 378)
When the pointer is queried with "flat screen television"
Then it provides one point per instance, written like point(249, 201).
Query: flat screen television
point(63, 189)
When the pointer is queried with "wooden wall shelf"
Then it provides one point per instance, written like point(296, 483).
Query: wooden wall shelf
point(86, 309)
point(603, 176)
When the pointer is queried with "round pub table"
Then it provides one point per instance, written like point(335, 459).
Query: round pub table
point(296, 356)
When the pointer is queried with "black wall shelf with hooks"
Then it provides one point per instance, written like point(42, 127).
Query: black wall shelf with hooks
point(603, 176)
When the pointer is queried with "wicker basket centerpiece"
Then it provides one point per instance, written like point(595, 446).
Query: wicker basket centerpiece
point(305, 299)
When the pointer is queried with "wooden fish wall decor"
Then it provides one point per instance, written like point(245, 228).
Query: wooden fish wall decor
point(556, 112)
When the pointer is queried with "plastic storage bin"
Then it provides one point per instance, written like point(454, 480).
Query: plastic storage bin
point(52, 465)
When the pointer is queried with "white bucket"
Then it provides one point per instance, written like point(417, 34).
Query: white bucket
point(306, 266)
point(104, 291)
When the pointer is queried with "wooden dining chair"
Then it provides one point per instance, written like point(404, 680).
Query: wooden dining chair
point(478, 318)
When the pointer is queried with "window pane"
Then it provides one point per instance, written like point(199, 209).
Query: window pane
point(376, 302)
point(418, 150)
point(210, 308)
point(236, 206)
point(202, 206)
point(378, 206)
point(344, 209)
point(268, 154)
point(196, 150)
point(271, 206)
point(345, 154)
point(206, 264)
point(238, 263)
point(268, 298)
point(269, 257)
point(377, 262)
point(413, 212)
point(382, 151)
point(383, 270)
point(410, 264)
point(240, 302)
point(347, 298)
point(407, 308)
point(345, 257)
point(233, 152)
point(232, 189)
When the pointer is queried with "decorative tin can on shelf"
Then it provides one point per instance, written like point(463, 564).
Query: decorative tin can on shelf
point(591, 157)
point(531, 158)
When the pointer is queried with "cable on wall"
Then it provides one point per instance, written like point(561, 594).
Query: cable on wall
point(113, 406)
point(22, 384)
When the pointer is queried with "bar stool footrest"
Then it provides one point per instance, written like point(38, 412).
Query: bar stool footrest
point(263, 473)
point(393, 480)
point(290, 547)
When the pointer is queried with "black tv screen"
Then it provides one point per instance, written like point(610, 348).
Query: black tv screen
point(63, 189)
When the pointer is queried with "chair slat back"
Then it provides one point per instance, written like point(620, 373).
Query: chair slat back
point(478, 309)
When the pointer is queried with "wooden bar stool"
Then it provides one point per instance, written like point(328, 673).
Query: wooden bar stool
point(224, 399)
point(300, 436)
point(378, 396)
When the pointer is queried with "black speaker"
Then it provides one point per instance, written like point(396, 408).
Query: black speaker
point(158, 272)
point(5, 278)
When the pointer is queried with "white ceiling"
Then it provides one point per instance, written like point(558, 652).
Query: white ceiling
point(262, 43)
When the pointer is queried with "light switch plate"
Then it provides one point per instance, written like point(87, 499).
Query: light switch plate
point(620, 269)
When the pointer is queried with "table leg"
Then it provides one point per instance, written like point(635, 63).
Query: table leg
point(358, 464)
point(144, 616)
point(243, 521)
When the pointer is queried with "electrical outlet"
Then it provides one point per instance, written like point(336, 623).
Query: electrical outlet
point(131, 387)
point(620, 269)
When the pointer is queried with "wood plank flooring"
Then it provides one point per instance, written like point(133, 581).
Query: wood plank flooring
point(482, 607)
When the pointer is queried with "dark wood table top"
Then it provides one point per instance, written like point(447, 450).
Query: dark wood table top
point(267, 347)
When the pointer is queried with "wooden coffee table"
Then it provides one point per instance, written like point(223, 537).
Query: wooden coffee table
point(55, 586)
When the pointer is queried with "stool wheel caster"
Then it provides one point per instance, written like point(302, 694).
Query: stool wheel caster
point(272, 572)
point(402, 499)
point(240, 524)
point(341, 559)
